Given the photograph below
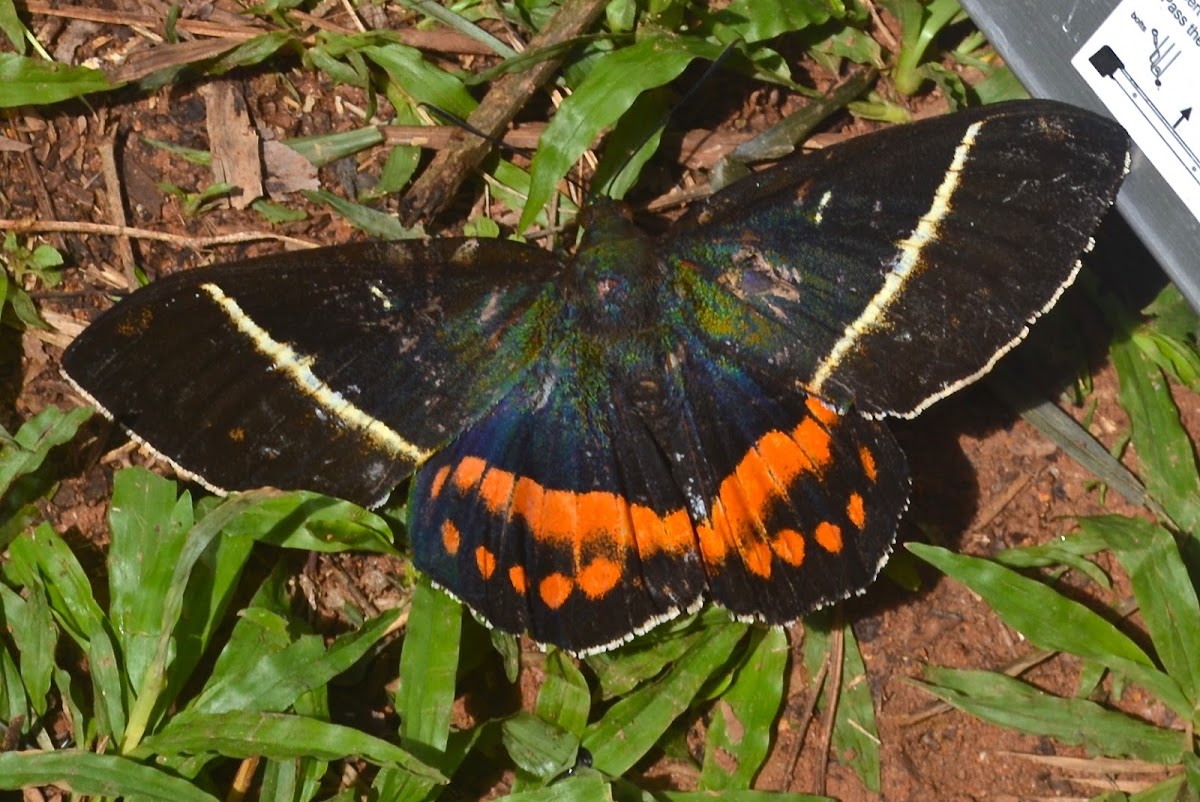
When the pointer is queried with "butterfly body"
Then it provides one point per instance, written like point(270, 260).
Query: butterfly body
point(600, 442)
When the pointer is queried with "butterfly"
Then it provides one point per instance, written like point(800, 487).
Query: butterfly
point(598, 443)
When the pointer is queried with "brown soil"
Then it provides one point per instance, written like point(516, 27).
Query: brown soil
point(984, 480)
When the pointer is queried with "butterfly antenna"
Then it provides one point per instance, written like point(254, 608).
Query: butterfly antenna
point(716, 64)
point(453, 119)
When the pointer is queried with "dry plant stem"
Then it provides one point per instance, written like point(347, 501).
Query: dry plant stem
point(56, 226)
point(836, 658)
point(115, 200)
point(437, 185)
point(814, 693)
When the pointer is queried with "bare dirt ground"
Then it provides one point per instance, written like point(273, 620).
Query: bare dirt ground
point(984, 480)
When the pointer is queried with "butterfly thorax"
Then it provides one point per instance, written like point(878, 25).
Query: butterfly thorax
point(613, 281)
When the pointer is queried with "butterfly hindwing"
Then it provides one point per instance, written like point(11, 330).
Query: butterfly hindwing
point(795, 505)
point(337, 369)
point(557, 514)
point(890, 269)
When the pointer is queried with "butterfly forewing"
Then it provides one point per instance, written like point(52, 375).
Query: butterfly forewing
point(336, 370)
point(888, 270)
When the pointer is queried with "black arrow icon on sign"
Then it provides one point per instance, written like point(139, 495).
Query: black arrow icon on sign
point(1186, 114)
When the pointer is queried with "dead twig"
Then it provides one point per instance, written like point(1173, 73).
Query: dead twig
point(197, 243)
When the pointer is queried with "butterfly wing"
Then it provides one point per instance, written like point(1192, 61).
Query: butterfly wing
point(341, 389)
point(891, 269)
point(558, 514)
point(795, 505)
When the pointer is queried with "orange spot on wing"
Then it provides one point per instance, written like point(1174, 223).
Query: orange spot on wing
point(439, 479)
point(868, 462)
point(829, 536)
point(486, 562)
point(554, 590)
point(599, 577)
point(789, 545)
point(757, 557)
point(516, 575)
point(855, 511)
point(468, 473)
point(496, 489)
point(814, 441)
point(818, 409)
point(450, 538)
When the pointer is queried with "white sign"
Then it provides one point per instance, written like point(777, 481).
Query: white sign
point(1144, 64)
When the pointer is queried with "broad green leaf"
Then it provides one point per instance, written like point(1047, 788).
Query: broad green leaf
point(622, 670)
point(538, 747)
point(564, 698)
point(35, 82)
point(603, 97)
point(1052, 621)
point(1163, 589)
point(29, 447)
point(110, 686)
point(634, 724)
point(743, 719)
point(95, 775)
point(243, 734)
point(759, 20)
point(1011, 703)
point(1163, 446)
point(311, 521)
point(14, 702)
point(428, 665)
point(418, 81)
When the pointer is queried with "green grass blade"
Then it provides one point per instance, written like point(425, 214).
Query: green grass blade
point(273, 683)
point(31, 625)
point(149, 525)
point(428, 667)
point(1011, 703)
point(624, 669)
point(598, 102)
point(588, 786)
point(1164, 592)
point(42, 553)
point(87, 773)
point(1163, 446)
point(380, 225)
point(35, 82)
point(634, 724)
point(419, 81)
point(739, 735)
point(242, 734)
point(760, 20)
point(1052, 621)
point(149, 693)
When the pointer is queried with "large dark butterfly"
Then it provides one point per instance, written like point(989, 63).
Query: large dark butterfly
point(600, 442)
